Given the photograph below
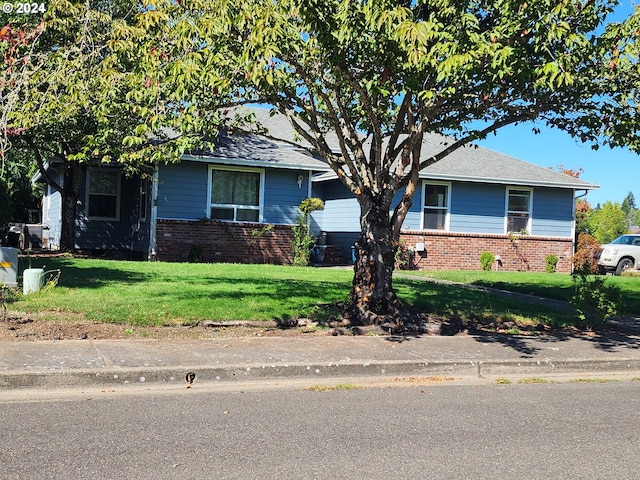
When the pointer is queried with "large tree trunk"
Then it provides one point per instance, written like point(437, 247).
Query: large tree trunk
point(73, 177)
point(372, 300)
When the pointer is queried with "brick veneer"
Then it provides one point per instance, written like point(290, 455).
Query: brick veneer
point(224, 241)
point(457, 251)
point(253, 243)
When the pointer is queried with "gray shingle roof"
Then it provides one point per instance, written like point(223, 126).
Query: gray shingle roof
point(470, 163)
point(258, 151)
point(477, 164)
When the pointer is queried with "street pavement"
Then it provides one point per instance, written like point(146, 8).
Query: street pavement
point(102, 363)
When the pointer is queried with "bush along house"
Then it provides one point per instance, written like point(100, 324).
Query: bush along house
point(239, 202)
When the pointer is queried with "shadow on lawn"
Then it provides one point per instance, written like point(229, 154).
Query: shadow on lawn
point(73, 276)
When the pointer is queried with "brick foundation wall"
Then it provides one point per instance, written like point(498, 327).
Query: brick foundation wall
point(224, 242)
point(455, 251)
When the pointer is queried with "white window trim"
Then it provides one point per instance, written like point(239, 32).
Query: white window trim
point(235, 169)
point(118, 196)
point(47, 203)
point(506, 208)
point(447, 218)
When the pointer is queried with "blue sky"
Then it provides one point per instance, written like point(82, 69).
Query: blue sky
point(616, 171)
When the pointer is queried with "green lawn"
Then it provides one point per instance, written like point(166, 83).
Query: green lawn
point(143, 293)
point(547, 285)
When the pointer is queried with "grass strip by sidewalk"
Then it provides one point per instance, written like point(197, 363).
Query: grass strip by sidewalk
point(156, 293)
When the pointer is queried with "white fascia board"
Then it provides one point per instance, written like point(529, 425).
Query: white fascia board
point(240, 162)
point(500, 181)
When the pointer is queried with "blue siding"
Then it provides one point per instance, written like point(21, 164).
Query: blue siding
point(341, 210)
point(552, 212)
point(182, 193)
point(340, 215)
point(282, 195)
point(129, 233)
point(474, 208)
point(122, 234)
point(477, 208)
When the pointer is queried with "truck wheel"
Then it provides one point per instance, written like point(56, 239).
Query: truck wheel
point(625, 264)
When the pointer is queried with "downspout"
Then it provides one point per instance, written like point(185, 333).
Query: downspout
point(573, 223)
point(154, 216)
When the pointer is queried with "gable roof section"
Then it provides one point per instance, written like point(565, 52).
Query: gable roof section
point(470, 163)
point(257, 151)
point(482, 165)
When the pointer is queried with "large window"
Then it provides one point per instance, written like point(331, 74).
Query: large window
point(518, 210)
point(436, 206)
point(235, 195)
point(103, 194)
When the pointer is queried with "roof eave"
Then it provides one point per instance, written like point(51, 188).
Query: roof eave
point(253, 163)
point(512, 181)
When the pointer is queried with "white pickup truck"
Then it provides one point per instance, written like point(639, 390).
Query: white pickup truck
point(621, 254)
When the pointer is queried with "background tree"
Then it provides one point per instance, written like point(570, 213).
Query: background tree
point(583, 211)
point(77, 93)
point(6, 208)
point(18, 34)
point(18, 171)
point(608, 222)
point(630, 209)
point(379, 74)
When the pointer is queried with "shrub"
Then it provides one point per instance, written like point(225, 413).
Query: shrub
point(402, 256)
point(551, 261)
point(630, 273)
point(195, 254)
point(587, 253)
point(486, 260)
point(595, 301)
point(303, 240)
point(310, 204)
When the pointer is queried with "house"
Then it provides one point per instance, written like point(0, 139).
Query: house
point(473, 200)
point(237, 204)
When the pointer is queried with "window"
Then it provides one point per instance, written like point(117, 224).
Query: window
point(236, 195)
point(103, 194)
point(436, 206)
point(518, 210)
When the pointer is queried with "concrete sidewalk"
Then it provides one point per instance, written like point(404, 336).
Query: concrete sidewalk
point(70, 363)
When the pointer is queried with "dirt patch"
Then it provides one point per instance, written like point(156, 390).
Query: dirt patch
point(40, 326)
point(16, 326)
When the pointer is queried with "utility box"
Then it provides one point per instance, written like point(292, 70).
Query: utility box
point(9, 266)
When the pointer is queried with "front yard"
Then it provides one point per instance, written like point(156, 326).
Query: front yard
point(141, 294)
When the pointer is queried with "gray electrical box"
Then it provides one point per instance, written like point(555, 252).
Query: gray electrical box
point(9, 266)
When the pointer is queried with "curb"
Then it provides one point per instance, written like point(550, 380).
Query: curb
point(239, 373)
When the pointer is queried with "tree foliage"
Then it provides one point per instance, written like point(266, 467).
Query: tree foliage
point(371, 77)
point(368, 77)
point(608, 222)
point(588, 251)
point(583, 210)
point(74, 90)
point(631, 210)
